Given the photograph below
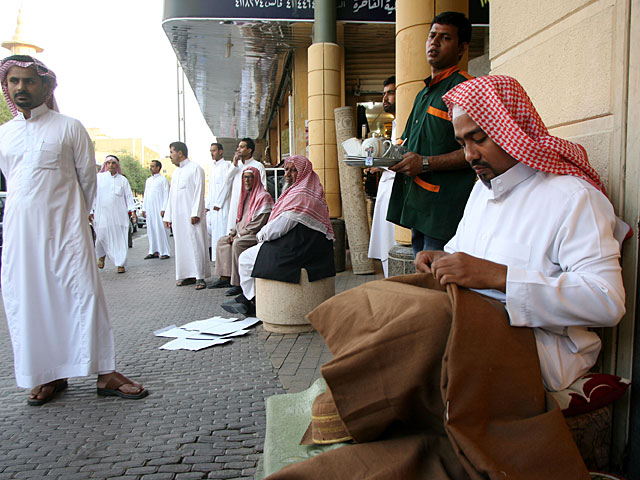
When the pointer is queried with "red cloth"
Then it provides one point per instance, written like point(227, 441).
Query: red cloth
point(42, 71)
point(501, 107)
point(305, 198)
point(104, 164)
point(259, 199)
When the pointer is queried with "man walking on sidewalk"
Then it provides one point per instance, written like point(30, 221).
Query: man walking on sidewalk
point(156, 192)
point(110, 214)
point(185, 211)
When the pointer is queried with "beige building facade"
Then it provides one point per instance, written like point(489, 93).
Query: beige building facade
point(579, 62)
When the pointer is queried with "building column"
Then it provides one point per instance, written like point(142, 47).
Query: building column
point(324, 65)
point(413, 22)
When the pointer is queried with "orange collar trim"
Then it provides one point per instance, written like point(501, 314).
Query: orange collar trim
point(431, 81)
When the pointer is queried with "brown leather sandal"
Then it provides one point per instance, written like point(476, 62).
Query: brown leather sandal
point(111, 389)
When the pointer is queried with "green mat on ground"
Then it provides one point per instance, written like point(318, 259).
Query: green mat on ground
point(288, 417)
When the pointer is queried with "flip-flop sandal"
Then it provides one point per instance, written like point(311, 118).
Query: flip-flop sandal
point(185, 281)
point(57, 388)
point(115, 382)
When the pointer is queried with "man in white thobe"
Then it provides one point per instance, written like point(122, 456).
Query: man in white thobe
point(242, 159)
point(218, 198)
point(383, 233)
point(53, 298)
point(156, 192)
point(185, 212)
point(110, 215)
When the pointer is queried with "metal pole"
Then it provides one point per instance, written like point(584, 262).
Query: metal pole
point(325, 17)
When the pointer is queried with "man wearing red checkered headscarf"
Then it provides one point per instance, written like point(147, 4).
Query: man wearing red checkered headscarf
point(298, 235)
point(538, 232)
point(533, 264)
point(52, 294)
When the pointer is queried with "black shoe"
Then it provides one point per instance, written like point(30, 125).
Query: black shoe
point(242, 299)
point(234, 307)
point(220, 283)
point(235, 290)
point(151, 255)
point(248, 309)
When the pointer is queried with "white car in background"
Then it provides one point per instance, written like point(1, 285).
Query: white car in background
point(142, 222)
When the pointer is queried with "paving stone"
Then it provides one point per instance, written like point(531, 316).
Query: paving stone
point(205, 416)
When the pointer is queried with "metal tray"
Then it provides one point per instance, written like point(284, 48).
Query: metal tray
point(366, 162)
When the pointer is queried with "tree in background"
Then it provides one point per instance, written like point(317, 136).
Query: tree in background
point(135, 173)
point(5, 113)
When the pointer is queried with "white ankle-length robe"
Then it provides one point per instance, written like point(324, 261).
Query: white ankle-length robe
point(219, 189)
point(52, 294)
point(186, 200)
point(114, 201)
point(156, 192)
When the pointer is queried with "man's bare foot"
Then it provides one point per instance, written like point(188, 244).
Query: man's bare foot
point(46, 392)
point(116, 384)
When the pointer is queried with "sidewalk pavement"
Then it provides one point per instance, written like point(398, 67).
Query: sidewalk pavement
point(205, 416)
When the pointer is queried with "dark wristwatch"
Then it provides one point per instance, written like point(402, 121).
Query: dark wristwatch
point(425, 164)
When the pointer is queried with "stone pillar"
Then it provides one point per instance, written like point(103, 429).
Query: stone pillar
point(324, 70)
point(355, 209)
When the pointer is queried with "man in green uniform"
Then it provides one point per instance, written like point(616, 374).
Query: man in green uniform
point(434, 180)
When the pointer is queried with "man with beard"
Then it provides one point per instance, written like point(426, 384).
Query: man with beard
point(445, 371)
point(110, 217)
point(185, 212)
point(53, 298)
point(156, 192)
point(382, 231)
point(298, 235)
point(242, 158)
point(434, 181)
point(252, 214)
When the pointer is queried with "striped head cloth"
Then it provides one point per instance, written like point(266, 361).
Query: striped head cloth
point(260, 200)
point(26, 61)
point(304, 200)
point(501, 107)
point(104, 164)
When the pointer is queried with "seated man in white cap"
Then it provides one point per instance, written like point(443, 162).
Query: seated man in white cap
point(298, 235)
point(444, 371)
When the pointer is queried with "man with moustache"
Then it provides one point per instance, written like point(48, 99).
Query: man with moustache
point(53, 297)
point(185, 212)
point(433, 181)
point(110, 214)
point(242, 158)
point(156, 192)
point(445, 371)
point(253, 212)
point(382, 231)
point(298, 235)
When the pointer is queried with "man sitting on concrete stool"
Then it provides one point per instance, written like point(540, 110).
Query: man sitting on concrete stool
point(253, 213)
point(298, 235)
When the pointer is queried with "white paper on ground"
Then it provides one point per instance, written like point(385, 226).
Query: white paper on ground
point(193, 345)
point(172, 332)
point(227, 328)
point(199, 325)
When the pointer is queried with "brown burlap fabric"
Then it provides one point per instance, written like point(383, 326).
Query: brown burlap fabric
point(435, 384)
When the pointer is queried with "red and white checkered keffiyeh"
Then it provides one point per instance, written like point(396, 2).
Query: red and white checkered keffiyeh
point(26, 62)
point(501, 107)
point(260, 200)
point(104, 164)
point(304, 200)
